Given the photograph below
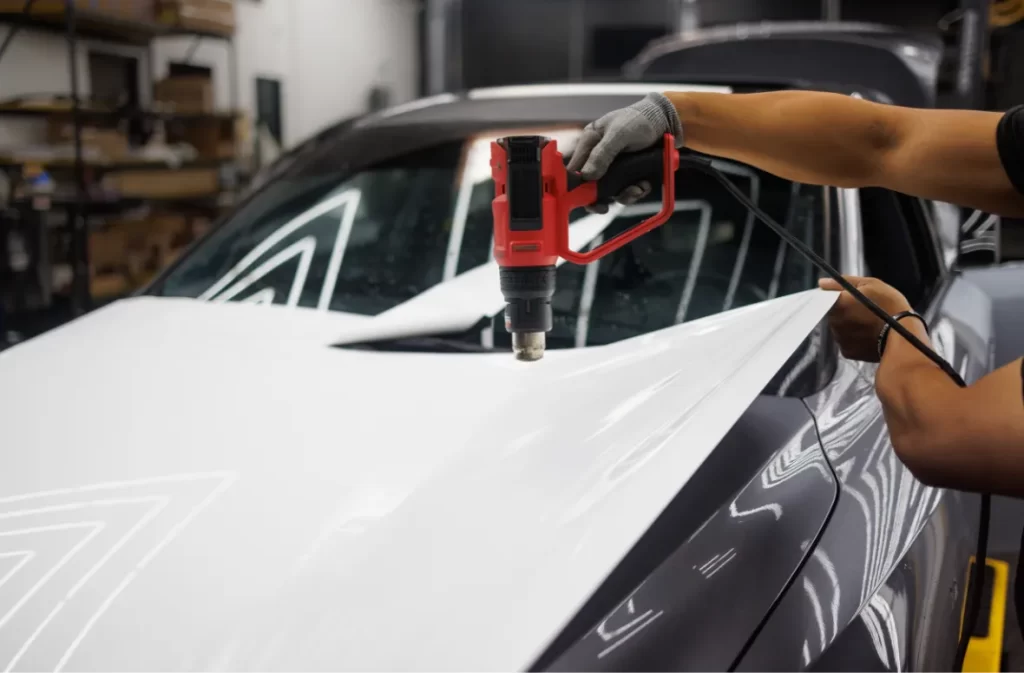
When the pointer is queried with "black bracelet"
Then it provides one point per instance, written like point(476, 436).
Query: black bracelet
point(883, 336)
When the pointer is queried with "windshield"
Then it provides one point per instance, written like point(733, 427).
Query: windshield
point(369, 242)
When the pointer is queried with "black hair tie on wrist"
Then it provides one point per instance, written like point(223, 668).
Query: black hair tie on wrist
point(883, 336)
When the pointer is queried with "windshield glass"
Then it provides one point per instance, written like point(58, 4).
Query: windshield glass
point(374, 240)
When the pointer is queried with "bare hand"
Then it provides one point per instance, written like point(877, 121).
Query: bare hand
point(854, 327)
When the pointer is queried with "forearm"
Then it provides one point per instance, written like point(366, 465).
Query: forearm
point(832, 139)
point(951, 437)
point(917, 399)
point(809, 137)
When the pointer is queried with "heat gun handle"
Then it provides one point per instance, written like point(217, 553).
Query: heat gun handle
point(628, 169)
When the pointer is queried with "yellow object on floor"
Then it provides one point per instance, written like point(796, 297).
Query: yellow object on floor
point(985, 651)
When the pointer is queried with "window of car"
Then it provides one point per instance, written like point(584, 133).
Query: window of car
point(945, 219)
point(366, 243)
point(901, 244)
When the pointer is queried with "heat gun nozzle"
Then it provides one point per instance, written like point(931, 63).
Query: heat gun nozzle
point(528, 346)
point(528, 291)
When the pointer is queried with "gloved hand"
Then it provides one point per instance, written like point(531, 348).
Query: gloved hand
point(630, 129)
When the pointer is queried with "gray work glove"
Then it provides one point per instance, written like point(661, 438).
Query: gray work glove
point(630, 129)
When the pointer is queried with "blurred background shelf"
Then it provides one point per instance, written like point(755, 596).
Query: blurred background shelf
point(99, 190)
point(112, 206)
point(127, 21)
point(12, 162)
point(89, 23)
point(108, 116)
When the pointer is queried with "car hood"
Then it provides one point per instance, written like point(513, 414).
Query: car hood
point(197, 486)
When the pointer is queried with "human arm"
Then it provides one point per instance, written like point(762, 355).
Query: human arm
point(969, 439)
point(830, 139)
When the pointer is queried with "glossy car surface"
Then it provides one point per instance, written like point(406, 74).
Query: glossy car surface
point(323, 455)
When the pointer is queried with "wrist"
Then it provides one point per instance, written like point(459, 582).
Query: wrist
point(661, 112)
point(685, 108)
point(907, 318)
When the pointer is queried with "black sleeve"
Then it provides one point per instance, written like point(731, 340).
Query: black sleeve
point(1010, 141)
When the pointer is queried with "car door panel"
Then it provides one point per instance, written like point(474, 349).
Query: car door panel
point(697, 609)
point(884, 587)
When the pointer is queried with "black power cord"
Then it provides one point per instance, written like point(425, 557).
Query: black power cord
point(976, 583)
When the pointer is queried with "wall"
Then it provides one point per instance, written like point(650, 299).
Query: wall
point(326, 53)
point(550, 40)
point(517, 42)
point(505, 42)
point(334, 68)
point(263, 40)
point(36, 63)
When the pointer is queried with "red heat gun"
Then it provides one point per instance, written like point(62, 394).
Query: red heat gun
point(533, 196)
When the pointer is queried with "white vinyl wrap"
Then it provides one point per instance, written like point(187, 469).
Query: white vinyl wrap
point(194, 485)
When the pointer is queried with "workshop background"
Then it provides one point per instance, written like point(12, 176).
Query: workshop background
point(180, 103)
point(129, 128)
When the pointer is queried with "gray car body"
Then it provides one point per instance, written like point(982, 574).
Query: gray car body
point(874, 561)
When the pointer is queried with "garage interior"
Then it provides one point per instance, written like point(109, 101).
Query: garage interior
point(131, 131)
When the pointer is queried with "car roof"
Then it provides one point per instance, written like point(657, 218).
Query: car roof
point(563, 102)
point(448, 117)
point(545, 103)
point(402, 128)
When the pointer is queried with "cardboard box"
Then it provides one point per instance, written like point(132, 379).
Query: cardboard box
point(38, 7)
point(136, 10)
point(187, 95)
point(210, 16)
point(200, 226)
point(164, 184)
point(125, 254)
point(109, 285)
point(148, 233)
point(108, 144)
point(173, 255)
point(108, 273)
point(212, 138)
point(106, 250)
point(165, 233)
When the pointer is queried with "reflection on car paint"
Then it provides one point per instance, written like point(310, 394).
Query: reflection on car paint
point(895, 514)
point(614, 635)
point(806, 361)
point(910, 622)
point(718, 561)
point(847, 595)
point(32, 526)
point(787, 501)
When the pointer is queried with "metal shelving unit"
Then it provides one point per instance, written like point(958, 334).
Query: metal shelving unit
point(72, 23)
point(106, 116)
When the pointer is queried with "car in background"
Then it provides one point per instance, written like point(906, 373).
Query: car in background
point(306, 444)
